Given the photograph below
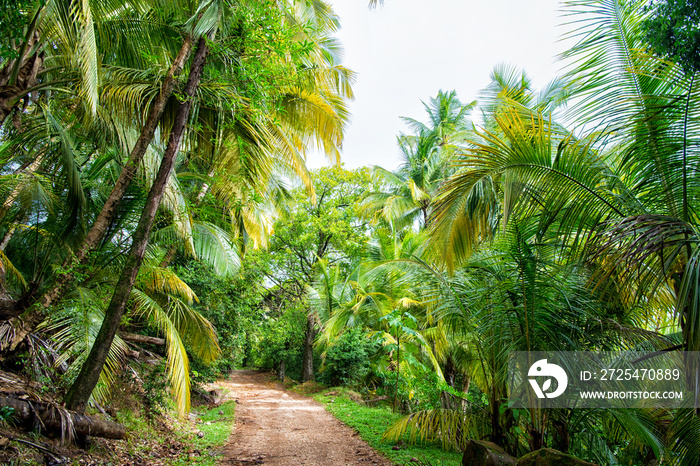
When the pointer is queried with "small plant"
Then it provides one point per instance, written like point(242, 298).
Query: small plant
point(6, 413)
point(155, 388)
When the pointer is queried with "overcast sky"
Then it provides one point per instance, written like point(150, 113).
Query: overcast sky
point(407, 50)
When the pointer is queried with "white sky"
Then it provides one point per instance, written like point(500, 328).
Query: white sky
point(407, 50)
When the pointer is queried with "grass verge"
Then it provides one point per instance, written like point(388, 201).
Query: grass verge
point(371, 422)
point(215, 427)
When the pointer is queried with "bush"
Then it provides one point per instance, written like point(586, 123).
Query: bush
point(348, 358)
point(155, 390)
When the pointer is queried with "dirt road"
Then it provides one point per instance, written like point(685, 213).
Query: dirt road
point(277, 427)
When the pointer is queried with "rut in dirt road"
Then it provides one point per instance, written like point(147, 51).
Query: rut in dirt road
point(277, 427)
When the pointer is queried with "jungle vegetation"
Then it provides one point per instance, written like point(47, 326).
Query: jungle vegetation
point(153, 178)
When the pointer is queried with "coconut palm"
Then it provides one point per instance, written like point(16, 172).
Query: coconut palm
point(377, 299)
point(626, 186)
point(69, 29)
point(516, 295)
point(426, 153)
point(264, 130)
point(104, 21)
point(79, 392)
point(621, 194)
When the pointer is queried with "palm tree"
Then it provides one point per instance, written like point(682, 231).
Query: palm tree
point(69, 32)
point(621, 197)
point(61, 23)
point(376, 298)
point(426, 153)
point(628, 185)
point(162, 301)
point(265, 131)
point(80, 391)
point(516, 294)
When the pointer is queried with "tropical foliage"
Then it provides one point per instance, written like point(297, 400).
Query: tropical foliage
point(162, 191)
point(98, 104)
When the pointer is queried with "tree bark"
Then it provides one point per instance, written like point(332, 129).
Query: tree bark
point(79, 393)
point(27, 412)
point(14, 88)
point(450, 372)
point(281, 372)
point(9, 307)
point(307, 371)
point(111, 205)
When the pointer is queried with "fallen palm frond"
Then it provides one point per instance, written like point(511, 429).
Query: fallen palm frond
point(17, 385)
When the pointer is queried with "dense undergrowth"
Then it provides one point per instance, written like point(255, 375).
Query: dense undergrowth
point(564, 218)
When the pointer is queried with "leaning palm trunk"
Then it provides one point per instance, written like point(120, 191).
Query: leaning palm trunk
point(79, 393)
point(109, 209)
point(127, 175)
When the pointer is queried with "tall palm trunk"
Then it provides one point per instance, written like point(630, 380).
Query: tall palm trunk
point(79, 393)
point(110, 207)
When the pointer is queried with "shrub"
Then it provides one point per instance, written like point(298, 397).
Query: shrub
point(348, 358)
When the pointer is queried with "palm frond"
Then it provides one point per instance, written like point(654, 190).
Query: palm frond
point(164, 281)
point(178, 365)
point(452, 428)
point(7, 268)
point(215, 247)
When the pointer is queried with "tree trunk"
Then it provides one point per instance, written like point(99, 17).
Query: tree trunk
point(308, 361)
point(111, 205)
point(450, 372)
point(14, 88)
point(128, 173)
point(29, 412)
point(561, 436)
point(169, 255)
point(281, 371)
point(8, 236)
point(142, 339)
point(79, 393)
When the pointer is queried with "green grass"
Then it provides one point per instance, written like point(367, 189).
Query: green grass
point(372, 422)
point(216, 428)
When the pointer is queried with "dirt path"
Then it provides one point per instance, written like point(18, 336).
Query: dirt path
point(277, 427)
